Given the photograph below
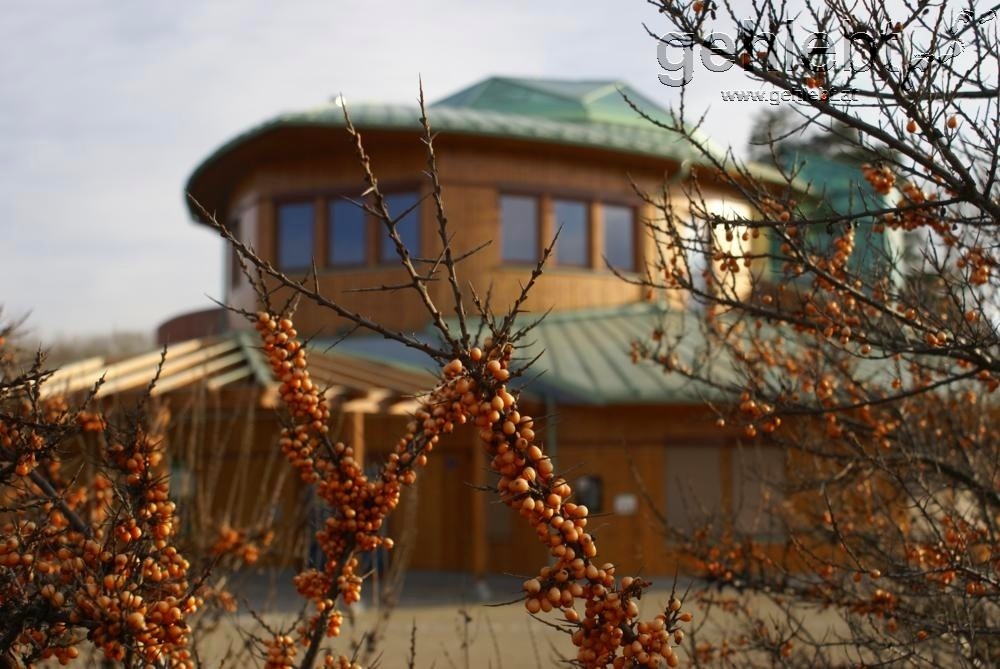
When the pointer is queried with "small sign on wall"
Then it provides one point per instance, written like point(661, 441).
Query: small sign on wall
point(626, 504)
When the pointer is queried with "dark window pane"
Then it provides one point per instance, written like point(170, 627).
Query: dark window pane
point(619, 237)
point(589, 491)
point(408, 228)
point(573, 247)
point(348, 235)
point(519, 228)
point(295, 235)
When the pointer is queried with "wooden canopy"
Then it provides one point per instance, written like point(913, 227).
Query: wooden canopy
point(236, 362)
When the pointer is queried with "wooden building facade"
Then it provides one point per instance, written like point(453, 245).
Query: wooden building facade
point(518, 159)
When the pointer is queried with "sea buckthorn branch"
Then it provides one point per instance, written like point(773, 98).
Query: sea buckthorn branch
point(450, 261)
point(607, 630)
point(473, 389)
point(872, 364)
point(380, 210)
point(360, 506)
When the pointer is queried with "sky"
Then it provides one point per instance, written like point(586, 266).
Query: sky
point(106, 108)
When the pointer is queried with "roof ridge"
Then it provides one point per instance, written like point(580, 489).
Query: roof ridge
point(616, 85)
point(526, 83)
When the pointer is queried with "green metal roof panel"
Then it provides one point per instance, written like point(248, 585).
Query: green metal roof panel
point(638, 139)
point(840, 189)
point(584, 356)
point(556, 99)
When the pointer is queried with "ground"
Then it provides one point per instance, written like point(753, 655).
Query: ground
point(456, 629)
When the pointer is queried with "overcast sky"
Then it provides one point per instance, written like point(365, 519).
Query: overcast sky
point(106, 107)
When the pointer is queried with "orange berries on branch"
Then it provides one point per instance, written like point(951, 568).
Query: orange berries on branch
point(96, 553)
point(880, 177)
point(472, 388)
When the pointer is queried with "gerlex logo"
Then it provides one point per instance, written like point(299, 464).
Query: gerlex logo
point(816, 53)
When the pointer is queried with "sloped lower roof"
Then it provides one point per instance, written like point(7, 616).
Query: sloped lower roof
point(584, 355)
point(235, 360)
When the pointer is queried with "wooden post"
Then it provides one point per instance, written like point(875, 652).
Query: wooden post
point(546, 222)
point(477, 512)
point(596, 222)
point(354, 425)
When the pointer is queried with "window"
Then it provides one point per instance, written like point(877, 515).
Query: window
point(619, 237)
point(408, 227)
point(589, 491)
point(295, 235)
point(519, 228)
point(573, 246)
point(347, 240)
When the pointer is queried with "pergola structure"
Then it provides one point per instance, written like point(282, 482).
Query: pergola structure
point(234, 366)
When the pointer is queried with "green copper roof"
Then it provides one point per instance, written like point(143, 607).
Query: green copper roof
point(591, 114)
point(584, 355)
point(578, 113)
point(557, 100)
point(840, 189)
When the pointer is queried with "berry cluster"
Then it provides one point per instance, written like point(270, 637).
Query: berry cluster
point(880, 177)
point(359, 505)
point(280, 652)
point(98, 561)
point(239, 543)
point(607, 631)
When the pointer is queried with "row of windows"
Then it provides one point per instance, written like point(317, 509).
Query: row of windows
point(521, 238)
point(348, 238)
point(350, 241)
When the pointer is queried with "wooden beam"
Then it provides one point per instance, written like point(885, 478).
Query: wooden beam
point(354, 429)
point(217, 382)
point(198, 372)
point(172, 365)
point(84, 374)
point(477, 509)
point(334, 393)
point(66, 372)
point(371, 402)
point(405, 407)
